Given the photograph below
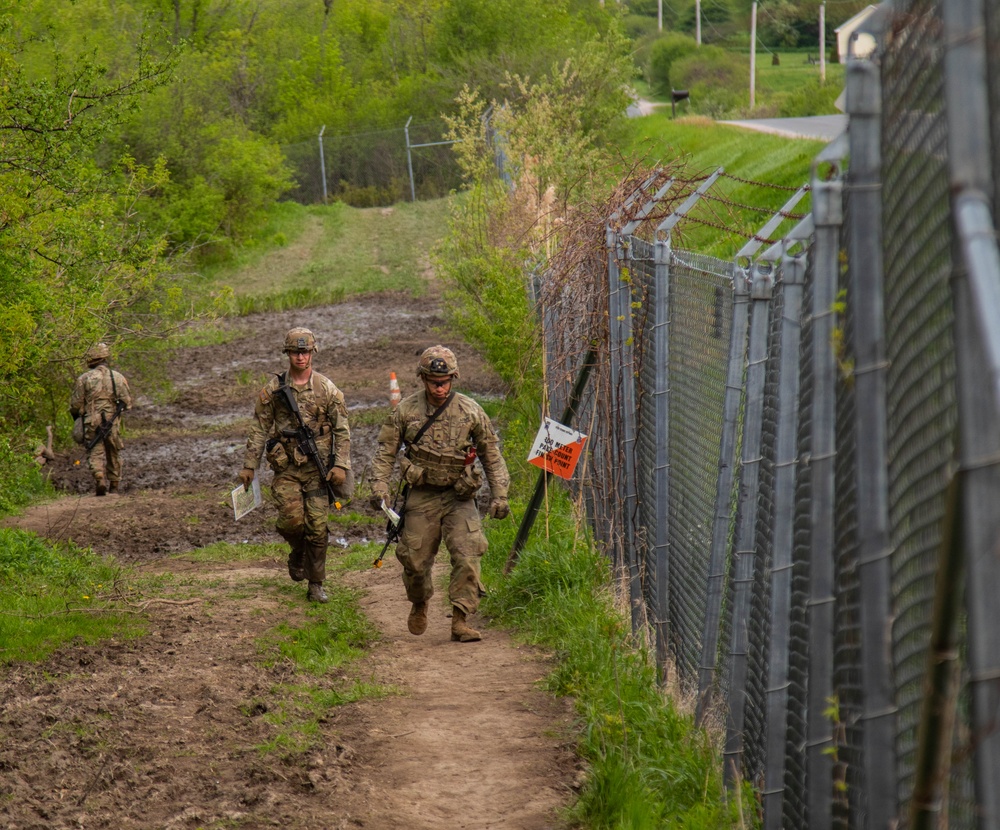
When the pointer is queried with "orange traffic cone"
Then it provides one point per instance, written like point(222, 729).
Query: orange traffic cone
point(394, 393)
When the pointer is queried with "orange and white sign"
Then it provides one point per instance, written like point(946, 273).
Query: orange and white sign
point(557, 448)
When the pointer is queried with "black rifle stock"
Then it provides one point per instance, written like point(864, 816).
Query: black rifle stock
point(305, 439)
point(104, 428)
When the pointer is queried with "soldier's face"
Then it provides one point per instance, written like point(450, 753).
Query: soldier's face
point(437, 389)
point(300, 360)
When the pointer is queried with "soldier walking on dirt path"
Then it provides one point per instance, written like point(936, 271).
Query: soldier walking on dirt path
point(442, 434)
point(298, 485)
point(99, 397)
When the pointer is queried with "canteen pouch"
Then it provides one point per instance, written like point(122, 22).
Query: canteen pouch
point(469, 482)
point(275, 454)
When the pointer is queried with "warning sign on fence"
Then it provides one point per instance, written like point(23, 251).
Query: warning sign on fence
point(557, 448)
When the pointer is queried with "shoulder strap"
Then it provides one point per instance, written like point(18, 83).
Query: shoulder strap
point(432, 419)
point(114, 388)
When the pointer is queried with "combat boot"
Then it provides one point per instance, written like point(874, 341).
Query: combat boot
point(295, 569)
point(316, 593)
point(112, 486)
point(460, 630)
point(102, 488)
point(417, 621)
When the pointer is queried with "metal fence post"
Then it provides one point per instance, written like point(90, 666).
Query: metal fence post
point(322, 162)
point(409, 159)
point(661, 401)
point(615, 313)
point(791, 279)
point(744, 544)
point(827, 185)
point(627, 414)
point(724, 492)
point(977, 340)
point(866, 296)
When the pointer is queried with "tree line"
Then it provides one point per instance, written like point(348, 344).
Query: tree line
point(141, 137)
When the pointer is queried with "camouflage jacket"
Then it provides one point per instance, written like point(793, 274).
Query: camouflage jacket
point(323, 411)
point(94, 396)
point(442, 455)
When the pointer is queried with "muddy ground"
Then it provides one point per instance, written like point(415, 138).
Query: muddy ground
point(166, 731)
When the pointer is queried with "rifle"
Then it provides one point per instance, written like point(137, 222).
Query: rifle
point(393, 529)
point(305, 439)
point(104, 430)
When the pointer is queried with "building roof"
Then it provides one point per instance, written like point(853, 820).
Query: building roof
point(853, 22)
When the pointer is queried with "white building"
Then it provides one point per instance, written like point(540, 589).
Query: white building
point(846, 29)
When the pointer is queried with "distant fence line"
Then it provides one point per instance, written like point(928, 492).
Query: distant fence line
point(794, 453)
point(378, 167)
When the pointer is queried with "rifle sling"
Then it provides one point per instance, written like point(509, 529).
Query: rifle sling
point(434, 416)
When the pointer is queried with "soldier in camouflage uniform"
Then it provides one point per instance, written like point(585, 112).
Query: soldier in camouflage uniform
point(303, 505)
point(442, 478)
point(95, 397)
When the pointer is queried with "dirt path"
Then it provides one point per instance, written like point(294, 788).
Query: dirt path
point(166, 731)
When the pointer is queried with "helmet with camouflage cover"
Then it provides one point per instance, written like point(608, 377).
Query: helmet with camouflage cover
point(97, 353)
point(300, 340)
point(437, 362)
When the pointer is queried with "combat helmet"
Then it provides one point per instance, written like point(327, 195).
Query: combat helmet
point(437, 362)
point(97, 353)
point(300, 340)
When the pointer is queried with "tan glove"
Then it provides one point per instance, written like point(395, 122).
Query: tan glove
point(499, 509)
point(337, 476)
point(247, 476)
point(380, 493)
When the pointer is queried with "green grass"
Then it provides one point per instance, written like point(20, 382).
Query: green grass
point(704, 146)
point(53, 595)
point(322, 648)
point(311, 255)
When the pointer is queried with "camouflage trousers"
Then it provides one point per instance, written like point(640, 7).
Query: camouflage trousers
point(104, 460)
point(303, 511)
point(433, 516)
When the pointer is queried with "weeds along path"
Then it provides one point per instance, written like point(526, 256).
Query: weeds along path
point(200, 723)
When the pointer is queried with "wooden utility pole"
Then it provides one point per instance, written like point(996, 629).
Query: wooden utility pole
point(753, 54)
point(697, 22)
point(822, 43)
point(659, 14)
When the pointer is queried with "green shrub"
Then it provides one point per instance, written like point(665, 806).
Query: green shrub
point(812, 99)
point(20, 478)
point(718, 80)
point(662, 55)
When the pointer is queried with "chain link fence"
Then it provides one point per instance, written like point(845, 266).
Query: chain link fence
point(375, 168)
point(794, 453)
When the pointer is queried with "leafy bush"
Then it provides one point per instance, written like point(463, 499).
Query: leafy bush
point(717, 80)
point(812, 99)
point(20, 478)
point(663, 53)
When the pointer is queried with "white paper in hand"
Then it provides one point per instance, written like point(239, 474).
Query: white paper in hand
point(246, 500)
point(392, 514)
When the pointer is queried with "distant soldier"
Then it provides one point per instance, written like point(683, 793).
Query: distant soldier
point(99, 396)
point(298, 486)
point(442, 434)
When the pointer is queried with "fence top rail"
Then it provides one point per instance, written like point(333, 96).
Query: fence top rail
point(755, 242)
point(668, 224)
point(800, 233)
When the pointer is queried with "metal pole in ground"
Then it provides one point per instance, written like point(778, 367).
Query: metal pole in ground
point(409, 160)
point(531, 512)
point(322, 162)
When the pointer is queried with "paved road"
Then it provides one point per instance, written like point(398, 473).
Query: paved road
point(821, 127)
